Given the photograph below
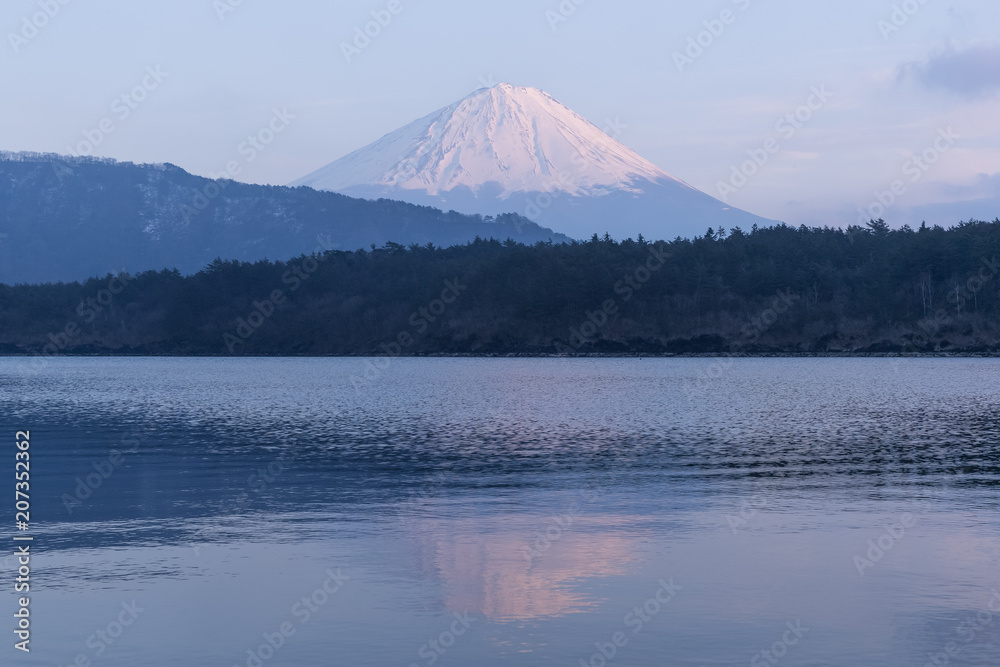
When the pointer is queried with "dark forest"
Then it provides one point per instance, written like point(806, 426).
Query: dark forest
point(779, 290)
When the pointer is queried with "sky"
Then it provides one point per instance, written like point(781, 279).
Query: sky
point(810, 113)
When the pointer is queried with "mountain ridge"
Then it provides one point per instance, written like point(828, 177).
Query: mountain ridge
point(69, 218)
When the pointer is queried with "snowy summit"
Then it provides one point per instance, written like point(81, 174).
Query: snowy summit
point(517, 149)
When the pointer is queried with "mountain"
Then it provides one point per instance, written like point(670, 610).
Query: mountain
point(512, 148)
point(67, 219)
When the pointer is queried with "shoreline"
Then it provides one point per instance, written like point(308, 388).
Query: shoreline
point(537, 355)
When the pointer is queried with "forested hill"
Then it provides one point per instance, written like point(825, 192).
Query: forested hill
point(781, 289)
point(66, 218)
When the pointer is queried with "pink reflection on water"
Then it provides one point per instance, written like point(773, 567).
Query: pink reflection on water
point(495, 567)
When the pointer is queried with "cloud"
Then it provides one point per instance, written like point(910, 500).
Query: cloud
point(973, 72)
point(979, 200)
point(985, 186)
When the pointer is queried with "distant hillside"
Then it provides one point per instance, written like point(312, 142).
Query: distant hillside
point(66, 219)
point(778, 290)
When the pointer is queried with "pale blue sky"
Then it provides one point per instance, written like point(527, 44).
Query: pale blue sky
point(891, 91)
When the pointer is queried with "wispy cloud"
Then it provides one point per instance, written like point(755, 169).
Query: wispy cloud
point(984, 186)
point(972, 72)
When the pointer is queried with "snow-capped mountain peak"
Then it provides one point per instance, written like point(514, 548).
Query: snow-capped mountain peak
point(517, 149)
point(520, 138)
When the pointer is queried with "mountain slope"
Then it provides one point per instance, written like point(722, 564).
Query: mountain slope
point(510, 148)
point(65, 218)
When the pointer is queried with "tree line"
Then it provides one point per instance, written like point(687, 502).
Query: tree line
point(806, 290)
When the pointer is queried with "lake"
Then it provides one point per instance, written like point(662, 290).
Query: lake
point(632, 512)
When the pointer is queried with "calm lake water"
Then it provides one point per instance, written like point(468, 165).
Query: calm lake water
point(675, 512)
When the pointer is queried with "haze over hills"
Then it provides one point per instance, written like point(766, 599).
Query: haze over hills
point(67, 219)
point(512, 148)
